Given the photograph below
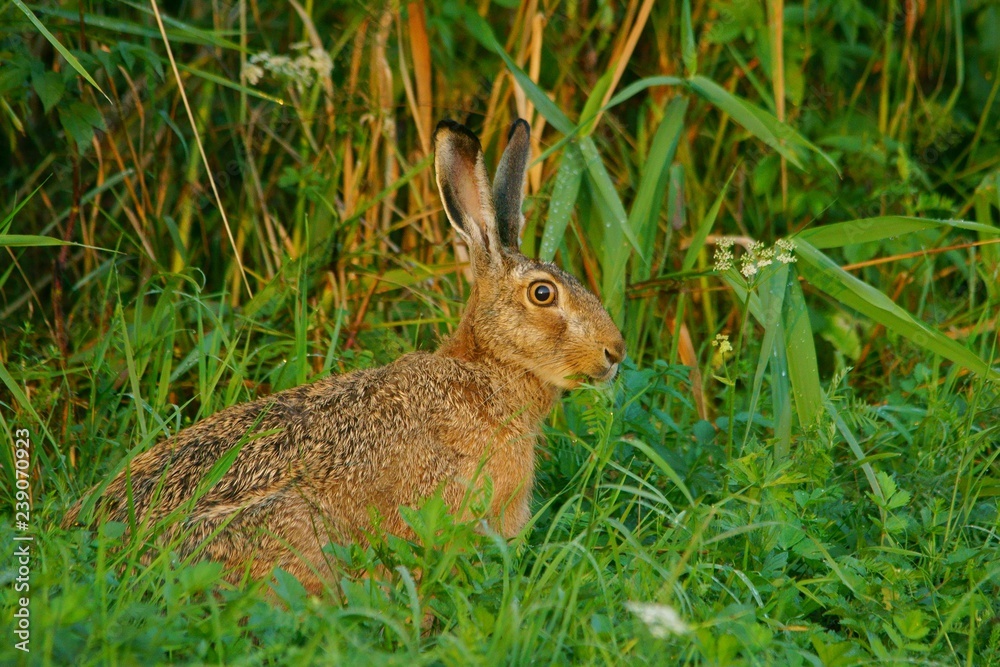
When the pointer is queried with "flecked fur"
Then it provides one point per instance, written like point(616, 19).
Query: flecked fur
point(319, 461)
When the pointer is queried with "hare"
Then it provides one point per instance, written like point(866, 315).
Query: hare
point(321, 461)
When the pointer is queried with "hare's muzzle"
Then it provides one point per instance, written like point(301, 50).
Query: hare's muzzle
point(614, 353)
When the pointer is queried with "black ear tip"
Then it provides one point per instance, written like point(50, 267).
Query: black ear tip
point(446, 124)
point(518, 123)
point(449, 126)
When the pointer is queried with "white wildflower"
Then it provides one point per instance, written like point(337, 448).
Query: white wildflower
point(765, 257)
point(722, 342)
point(785, 249)
point(749, 268)
point(307, 65)
point(320, 62)
point(723, 257)
point(661, 619)
point(253, 73)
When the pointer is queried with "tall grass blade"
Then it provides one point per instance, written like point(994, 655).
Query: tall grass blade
point(689, 52)
point(772, 298)
point(564, 193)
point(869, 230)
point(800, 352)
point(698, 240)
point(758, 122)
point(824, 274)
point(63, 51)
point(653, 185)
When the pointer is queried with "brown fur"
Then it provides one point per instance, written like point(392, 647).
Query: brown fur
point(331, 454)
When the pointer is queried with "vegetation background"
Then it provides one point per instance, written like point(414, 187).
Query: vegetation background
point(204, 202)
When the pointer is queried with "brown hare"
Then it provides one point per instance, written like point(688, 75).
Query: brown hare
point(315, 463)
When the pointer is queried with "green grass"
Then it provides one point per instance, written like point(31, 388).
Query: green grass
point(825, 494)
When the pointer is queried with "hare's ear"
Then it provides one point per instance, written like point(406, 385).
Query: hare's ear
point(508, 186)
point(465, 191)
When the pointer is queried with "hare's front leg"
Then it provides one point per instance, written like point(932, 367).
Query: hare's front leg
point(516, 512)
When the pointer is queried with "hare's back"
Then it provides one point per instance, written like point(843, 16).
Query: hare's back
point(354, 428)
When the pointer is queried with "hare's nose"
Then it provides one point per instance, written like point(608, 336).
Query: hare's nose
point(615, 356)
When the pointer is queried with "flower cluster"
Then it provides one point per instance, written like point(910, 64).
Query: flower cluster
point(785, 249)
point(302, 68)
point(723, 257)
point(757, 255)
point(659, 618)
point(722, 342)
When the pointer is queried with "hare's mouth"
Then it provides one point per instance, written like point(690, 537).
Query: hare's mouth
point(609, 374)
point(605, 374)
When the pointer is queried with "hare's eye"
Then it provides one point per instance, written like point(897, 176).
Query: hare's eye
point(542, 293)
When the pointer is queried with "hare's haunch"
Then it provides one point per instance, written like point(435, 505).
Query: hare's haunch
point(317, 462)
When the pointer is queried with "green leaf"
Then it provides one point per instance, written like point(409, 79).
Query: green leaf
point(824, 274)
point(618, 236)
point(177, 31)
point(605, 189)
point(869, 230)
point(564, 195)
point(6, 222)
point(63, 51)
point(698, 240)
point(664, 467)
point(637, 87)
point(779, 136)
point(656, 171)
point(800, 350)
point(50, 88)
point(690, 51)
point(79, 120)
point(913, 624)
point(553, 114)
point(30, 241)
point(593, 104)
point(772, 298)
point(479, 28)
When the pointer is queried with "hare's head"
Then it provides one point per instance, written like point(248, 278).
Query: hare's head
point(522, 312)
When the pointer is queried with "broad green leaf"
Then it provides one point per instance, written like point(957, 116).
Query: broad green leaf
point(234, 85)
point(781, 403)
point(637, 87)
point(779, 136)
point(771, 292)
point(627, 93)
point(800, 350)
point(30, 241)
point(177, 31)
point(605, 189)
point(50, 88)
point(564, 194)
point(553, 114)
point(63, 51)
point(868, 230)
point(593, 104)
point(653, 185)
point(690, 51)
point(478, 27)
point(618, 236)
point(824, 274)
point(80, 120)
point(614, 258)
